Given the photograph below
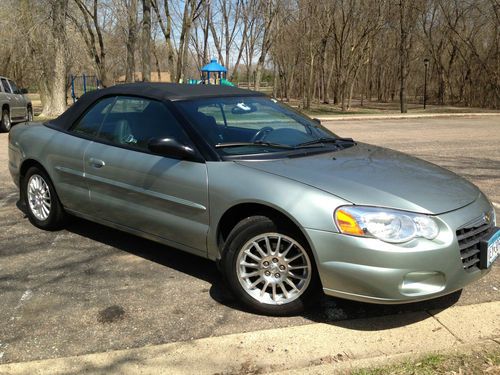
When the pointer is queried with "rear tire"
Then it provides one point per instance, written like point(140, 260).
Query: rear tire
point(42, 204)
point(5, 123)
point(269, 267)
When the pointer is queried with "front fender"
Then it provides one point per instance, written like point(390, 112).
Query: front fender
point(231, 184)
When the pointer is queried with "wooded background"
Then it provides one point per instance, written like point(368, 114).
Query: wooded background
point(327, 51)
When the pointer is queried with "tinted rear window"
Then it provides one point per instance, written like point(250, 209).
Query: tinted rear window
point(6, 86)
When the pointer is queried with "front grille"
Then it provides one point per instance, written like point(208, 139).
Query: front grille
point(468, 242)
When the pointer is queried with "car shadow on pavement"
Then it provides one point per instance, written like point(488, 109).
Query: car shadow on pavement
point(328, 310)
point(356, 315)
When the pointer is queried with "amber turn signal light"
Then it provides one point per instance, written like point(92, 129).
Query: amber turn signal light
point(347, 223)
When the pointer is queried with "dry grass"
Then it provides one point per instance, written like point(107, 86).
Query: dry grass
point(478, 361)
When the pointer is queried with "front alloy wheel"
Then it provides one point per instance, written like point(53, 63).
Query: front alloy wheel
point(269, 266)
point(274, 268)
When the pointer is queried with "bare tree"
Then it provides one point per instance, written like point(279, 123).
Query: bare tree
point(132, 29)
point(404, 49)
point(191, 12)
point(56, 96)
point(91, 31)
point(270, 9)
point(307, 50)
point(146, 40)
point(166, 28)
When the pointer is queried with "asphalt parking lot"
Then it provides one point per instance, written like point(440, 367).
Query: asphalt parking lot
point(90, 288)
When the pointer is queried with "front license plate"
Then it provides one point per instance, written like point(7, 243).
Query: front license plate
point(490, 249)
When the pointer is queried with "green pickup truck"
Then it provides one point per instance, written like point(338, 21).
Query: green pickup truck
point(16, 107)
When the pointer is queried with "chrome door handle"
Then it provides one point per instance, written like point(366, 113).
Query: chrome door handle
point(96, 163)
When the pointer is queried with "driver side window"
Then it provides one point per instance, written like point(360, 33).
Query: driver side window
point(132, 122)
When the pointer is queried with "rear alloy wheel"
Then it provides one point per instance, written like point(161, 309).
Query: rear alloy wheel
point(5, 124)
point(269, 268)
point(39, 197)
point(43, 207)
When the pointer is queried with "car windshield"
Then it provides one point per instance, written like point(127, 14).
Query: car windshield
point(250, 125)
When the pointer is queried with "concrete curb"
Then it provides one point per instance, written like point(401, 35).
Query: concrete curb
point(405, 116)
point(289, 349)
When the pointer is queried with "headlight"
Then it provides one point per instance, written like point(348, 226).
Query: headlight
point(385, 224)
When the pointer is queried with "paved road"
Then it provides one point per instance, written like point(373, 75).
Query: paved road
point(90, 289)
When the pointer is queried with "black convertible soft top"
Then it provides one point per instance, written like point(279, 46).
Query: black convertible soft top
point(158, 91)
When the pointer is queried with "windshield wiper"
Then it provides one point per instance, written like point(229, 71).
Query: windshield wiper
point(325, 140)
point(256, 143)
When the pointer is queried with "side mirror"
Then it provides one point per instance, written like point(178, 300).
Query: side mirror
point(24, 91)
point(172, 148)
point(317, 120)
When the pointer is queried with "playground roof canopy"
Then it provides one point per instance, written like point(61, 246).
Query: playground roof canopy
point(213, 67)
point(158, 91)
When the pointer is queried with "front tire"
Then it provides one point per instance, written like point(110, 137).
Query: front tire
point(5, 123)
point(42, 204)
point(269, 267)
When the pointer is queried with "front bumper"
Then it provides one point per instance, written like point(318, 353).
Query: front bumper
point(14, 164)
point(370, 270)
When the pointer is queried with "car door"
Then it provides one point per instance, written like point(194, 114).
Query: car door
point(67, 150)
point(11, 99)
point(131, 187)
point(18, 102)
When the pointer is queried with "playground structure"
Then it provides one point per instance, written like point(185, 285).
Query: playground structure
point(213, 71)
point(82, 84)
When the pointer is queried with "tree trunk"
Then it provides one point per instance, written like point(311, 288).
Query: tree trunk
point(187, 21)
point(131, 41)
point(157, 63)
point(146, 40)
point(55, 89)
point(403, 56)
point(267, 39)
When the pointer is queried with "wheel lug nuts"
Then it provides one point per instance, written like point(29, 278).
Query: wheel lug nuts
point(282, 267)
point(277, 275)
point(267, 273)
point(266, 263)
point(275, 260)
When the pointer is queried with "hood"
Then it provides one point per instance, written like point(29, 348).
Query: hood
point(375, 176)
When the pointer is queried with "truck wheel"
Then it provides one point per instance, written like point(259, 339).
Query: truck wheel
point(5, 123)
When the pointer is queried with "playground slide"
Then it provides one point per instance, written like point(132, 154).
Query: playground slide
point(225, 82)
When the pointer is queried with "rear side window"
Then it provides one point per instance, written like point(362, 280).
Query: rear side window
point(6, 86)
point(91, 121)
point(214, 111)
point(133, 122)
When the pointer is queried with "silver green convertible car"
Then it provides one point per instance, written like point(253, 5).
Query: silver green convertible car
point(283, 205)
